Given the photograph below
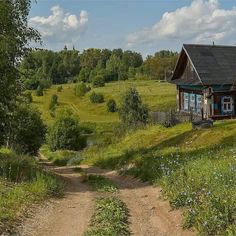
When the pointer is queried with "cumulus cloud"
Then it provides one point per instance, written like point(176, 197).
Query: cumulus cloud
point(201, 22)
point(60, 28)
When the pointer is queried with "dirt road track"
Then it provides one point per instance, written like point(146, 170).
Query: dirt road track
point(149, 215)
point(68, 216)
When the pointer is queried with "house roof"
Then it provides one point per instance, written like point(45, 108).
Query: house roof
point(213, 64)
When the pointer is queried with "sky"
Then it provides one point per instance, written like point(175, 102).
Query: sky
point(145, 26)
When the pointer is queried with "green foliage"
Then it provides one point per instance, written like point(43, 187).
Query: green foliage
point(61, 157)
point(96, 97)
point(59, 88)
point(65, 133)
point(158, 96)
point(84, 75)
point(98, 81)
point(15, 36)
point(194, 174)
point(28, 97)
point(48, 67)
point(53, 102)
point(101, 184)
point(27, 131)
point(132, 112)
point(111, 106)
point(39, 91)
point(110, 218)
point(161, 65)
point(81, 89)
point(22, 183)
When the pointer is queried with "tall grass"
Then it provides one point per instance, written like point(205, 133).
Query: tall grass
point(196, 169)
point(22, 183)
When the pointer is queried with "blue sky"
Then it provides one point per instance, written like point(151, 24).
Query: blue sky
point(142, 25)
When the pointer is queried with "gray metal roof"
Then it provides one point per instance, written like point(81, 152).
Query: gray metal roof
point(214, 64)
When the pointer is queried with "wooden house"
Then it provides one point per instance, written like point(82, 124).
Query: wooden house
point(205, 76)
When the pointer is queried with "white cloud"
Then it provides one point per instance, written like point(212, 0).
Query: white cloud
point(201, 22)
point(60, 28)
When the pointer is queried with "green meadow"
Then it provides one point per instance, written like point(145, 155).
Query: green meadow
point(158, 96)
point(195, 168)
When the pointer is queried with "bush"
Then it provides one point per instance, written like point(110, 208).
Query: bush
point(133, 112)
point(98, 81)
point(81, 89)
point(111, 106)
point(65, 133)
point(27, 131)
point(53, 102)
point(96, 98)
point(28, 97)
point(39, 91)
point(59, 88)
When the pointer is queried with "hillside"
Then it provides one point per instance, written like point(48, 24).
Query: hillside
point(196, 169)
point(158, 96)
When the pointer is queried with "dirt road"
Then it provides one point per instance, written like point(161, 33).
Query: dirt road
point(68, 216)
point(149, 216)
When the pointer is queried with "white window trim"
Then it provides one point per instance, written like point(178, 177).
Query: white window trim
point(229, 104)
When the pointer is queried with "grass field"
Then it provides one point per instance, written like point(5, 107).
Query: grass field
point(158, 96)
point(22, 183)
point(196, 169)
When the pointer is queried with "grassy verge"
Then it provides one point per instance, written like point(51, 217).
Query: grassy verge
point(110, 218)
point(61, 157)
point(111, 214)
point(196, 169)
point(22, 183)
point(101, 184)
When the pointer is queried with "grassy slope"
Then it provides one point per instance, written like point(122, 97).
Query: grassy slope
point(22, 183)
point(197, 169)
point(158, 96)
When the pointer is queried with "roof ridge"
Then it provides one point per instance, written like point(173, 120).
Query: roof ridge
point(209, 45)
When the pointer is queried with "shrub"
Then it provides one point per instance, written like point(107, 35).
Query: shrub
point(28, 97)
point(39, 91)
point(96, 98)
point(81, 89)
point(65, 133)
point(27, 130)
point(133, 112)
point(111, 106)
point(98, 81)
point(59, 88)
point(53, 102)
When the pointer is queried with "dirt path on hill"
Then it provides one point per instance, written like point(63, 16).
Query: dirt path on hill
point(149, 216)
point(68, 216)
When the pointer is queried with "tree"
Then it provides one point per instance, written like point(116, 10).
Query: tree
point(98, 81)
point(39, 91)
point(111, 106)
point(84, 75)
point(161, 65)
point(81, 89)
point(15, 35)
point(96, 98)
point(28, 97)
point(133, 112)
point(66, 133)
point(53, 102)
point(27, 131)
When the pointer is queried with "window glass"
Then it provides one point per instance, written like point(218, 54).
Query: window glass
point(186, 102)
point(227, 104)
